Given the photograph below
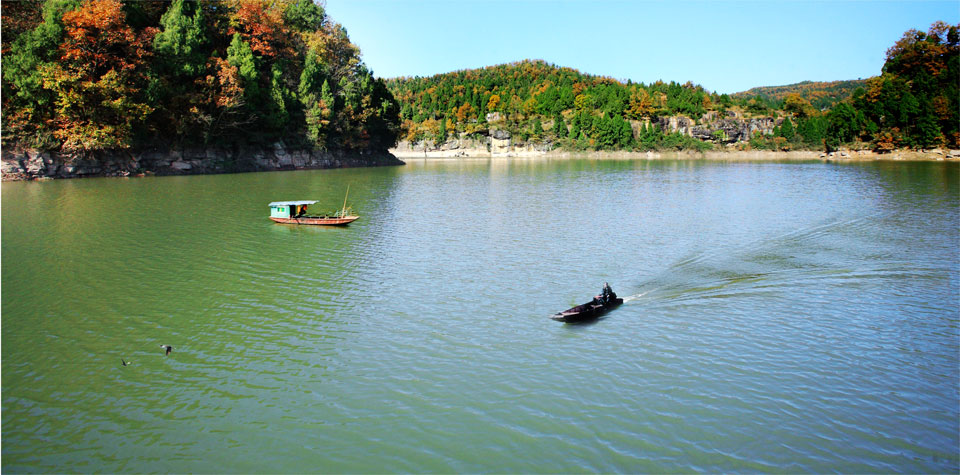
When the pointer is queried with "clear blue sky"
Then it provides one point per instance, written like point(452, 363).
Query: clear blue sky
point(726, 46)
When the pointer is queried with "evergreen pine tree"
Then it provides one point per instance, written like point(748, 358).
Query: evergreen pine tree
point(442, 133)
point(559, 126)
point(179, 44)
point(240, 56)
point(277, 115)
point(575, 128)
point(786, 130)
point(304, 15)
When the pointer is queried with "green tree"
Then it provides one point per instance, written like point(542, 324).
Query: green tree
point(276, 113)
point(559, 126)
point(179, 46)
point(319, 116)
point(442, 132)
point(304, 15)
point(575, 130)
point(927, 131)
point(28, 105)
point(240, 56)
point(843, 125)
point(813, 130)
point(180, 49)
point(537, 128)
point(786, 130)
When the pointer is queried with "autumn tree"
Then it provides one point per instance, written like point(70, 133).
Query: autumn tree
point(19, 18)
point(640, 104)
point(797, 105)
point(464, 112)
point(494, 102)
point(340, 56)
point(918, 92)
point(100, 74)
point(99, 79)
point(28, 106)
point(260, 24)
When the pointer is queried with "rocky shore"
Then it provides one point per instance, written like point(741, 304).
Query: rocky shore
point(25, 164)
point(407, 152)
point(729, 133)
point(499, 144)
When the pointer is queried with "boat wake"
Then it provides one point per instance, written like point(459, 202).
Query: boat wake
point(809, 256)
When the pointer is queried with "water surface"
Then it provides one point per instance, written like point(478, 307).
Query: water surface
point(780, 317)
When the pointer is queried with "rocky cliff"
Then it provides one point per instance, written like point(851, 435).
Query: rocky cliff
point(21, 164)
point(488, 144)
point(728, 129)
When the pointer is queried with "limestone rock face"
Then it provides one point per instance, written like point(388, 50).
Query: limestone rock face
point(712, 128)
point(32, 164)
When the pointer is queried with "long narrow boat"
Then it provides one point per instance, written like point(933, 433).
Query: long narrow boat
point(317, 220)
point(587, 311)
point(601, 304)
point(294, 212)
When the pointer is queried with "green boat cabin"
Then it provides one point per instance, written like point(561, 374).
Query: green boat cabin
point(288, 209)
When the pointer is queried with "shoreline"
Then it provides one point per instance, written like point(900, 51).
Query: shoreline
point(935, 155)
point(27, 164)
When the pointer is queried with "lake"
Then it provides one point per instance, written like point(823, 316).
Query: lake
point(779, 317)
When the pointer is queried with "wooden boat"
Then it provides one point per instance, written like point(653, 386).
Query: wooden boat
point(600, 305)
point(317, 220)
point(294, 212)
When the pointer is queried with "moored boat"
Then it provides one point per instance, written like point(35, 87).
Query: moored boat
point(601, 304)
point(295, 212)
point(317, 220)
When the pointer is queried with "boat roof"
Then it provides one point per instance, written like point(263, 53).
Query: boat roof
point(292, 203)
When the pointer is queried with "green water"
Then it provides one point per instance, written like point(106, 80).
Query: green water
point(780, 317)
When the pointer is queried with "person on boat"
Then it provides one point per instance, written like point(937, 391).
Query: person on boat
point(606, 296)
point(608, 293)
point(602, 298)
point(303, 210)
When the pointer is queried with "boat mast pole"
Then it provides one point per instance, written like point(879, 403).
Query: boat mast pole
point(343, 211)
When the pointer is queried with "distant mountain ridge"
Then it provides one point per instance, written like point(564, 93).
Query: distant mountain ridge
point(820, 94)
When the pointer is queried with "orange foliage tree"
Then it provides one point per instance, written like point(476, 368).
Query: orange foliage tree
point(261, 25)
point(100, 78)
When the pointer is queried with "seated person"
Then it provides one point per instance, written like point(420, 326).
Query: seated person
point(607, 295)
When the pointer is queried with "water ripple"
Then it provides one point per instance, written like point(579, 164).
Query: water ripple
point(778, 317)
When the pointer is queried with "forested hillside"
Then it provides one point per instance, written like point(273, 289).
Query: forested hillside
point(914, 103)
point(105, 74)
point(522, 97)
